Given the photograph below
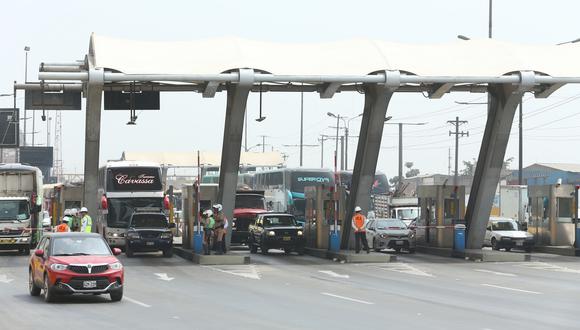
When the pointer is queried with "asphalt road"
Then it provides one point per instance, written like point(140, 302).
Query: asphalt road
point(301, 292)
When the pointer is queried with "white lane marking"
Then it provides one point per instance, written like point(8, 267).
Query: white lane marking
point(163, 277)
point(347, 298)
point(333, 274)
point(510, 289)
point(137, 302)
point(495, 273)
point(246, 271)
point(546, 266)
point(405, 269)
point(4, 279)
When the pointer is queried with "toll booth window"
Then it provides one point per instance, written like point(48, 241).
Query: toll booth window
point(565, 209)
point(449, 210)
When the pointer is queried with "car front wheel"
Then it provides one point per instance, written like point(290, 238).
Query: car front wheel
point(494, 245)
point(32, 287)
point(117, 295)
point(48, 291)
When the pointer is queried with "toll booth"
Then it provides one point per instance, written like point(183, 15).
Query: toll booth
point(552, 214)
point(59, 197)
point(441, 208)
point(208, 196)
point(320, 214)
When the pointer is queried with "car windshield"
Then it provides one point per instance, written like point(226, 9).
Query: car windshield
point(279, 221)
point(508, 225)
point(391, 224)
point(407, 213)
point(250, 201)
point(14, 210)
point(79, 246)
point(149, 221)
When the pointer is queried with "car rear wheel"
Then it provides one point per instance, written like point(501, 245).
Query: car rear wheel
point(32, 287)
point(129, 252)
point(117, 295)
point(508, 249)
point(168, 253)
point(49, 295)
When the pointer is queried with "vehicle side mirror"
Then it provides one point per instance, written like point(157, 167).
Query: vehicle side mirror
point(171, 225)
point(39, 253)
point(116, 251)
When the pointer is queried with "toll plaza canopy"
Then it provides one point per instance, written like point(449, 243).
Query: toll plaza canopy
point(206, 158)
point(482, 57)
point(377, 69)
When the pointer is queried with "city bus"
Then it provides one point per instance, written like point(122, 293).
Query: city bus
point(124, 188)
point(284, 188)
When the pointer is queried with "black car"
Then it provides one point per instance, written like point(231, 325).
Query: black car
point(276, 231)
point(149, 232)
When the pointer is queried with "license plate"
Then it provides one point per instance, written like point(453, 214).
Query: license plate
point(89, 284)
point(150, 243)
point(400, 242)
point(519, 243)
point(287, 238)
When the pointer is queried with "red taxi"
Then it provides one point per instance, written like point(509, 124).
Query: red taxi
point(75, 263)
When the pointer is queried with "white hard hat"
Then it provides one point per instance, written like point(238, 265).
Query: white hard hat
point(84, 209)
point(208, 213)
point(74, 211)
point(217, 207)
point(357, 209)
point(67, 212)
point(65, 219)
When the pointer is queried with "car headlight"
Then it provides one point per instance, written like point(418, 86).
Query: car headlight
point(166, 235)
point(383, 236)
point(116, 266)
point(411, 234)
point(25, 233)
point(271, 233)
point(58, 267)
point(133, 235)
point(299, 233)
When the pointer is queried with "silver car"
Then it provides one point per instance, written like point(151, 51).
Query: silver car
point(504, 233)
point(390, 234)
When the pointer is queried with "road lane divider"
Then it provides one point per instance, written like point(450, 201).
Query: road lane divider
point(495, 273)
point(164, 277)
point(510, 289)
point(4, 279)
point(245, 271)
point(333, 274)
point(137, 302)
point(347, 298)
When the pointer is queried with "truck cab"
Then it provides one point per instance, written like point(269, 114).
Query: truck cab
point(249, 204)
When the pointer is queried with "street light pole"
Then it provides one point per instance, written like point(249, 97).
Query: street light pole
point(26, 50)
point(401, 144)
point(301, 127)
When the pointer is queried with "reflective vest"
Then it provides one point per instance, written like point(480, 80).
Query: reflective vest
point(62, 228)
point(209, 223)
point(358, 221)
point(86, 224)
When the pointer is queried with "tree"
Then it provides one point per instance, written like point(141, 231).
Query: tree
point(469, 167)
point(395, 180)
point(412, 171)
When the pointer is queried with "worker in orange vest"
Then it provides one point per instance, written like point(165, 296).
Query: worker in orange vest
point(63, 227)
point(358, 224)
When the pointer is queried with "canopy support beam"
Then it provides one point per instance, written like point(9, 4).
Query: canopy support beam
point(377, 97)
point(503, 102)
point(232, 144)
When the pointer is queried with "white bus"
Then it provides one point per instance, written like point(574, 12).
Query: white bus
point(284, 188)
point(126, 187)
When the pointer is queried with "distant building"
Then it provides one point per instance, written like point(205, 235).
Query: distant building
point(547, 173)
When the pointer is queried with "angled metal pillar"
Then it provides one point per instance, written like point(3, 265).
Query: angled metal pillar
point(377, 97)
point(232, 143)
point(94, 93)
point(502, 104)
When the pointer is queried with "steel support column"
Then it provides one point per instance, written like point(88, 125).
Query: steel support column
point(94, 93)
point(377, 97)
point(232, 143)
point(502, 104)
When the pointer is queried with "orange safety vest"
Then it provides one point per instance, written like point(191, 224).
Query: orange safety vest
point(359, 222)
point(62, 228)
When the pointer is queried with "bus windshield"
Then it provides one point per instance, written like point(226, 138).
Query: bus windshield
point(301, 179)
point(121, 209)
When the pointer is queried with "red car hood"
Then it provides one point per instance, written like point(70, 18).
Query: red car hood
point(67, 260)
point(240, 212)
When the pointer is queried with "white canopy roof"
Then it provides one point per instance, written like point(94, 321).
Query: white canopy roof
point(484, 57)
point(189, 159)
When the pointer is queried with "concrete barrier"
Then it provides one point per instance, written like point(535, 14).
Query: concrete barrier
point(476, 254)
point(223, 259)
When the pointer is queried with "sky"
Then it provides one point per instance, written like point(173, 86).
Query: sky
point(59, 31)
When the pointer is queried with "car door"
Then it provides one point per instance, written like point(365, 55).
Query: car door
point(38, 262)
point(371, 231)
point(487, 238)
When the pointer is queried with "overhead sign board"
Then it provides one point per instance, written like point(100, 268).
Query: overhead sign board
point(146, 100)
point(9, 122)
point(36, 156)
point(38, 100)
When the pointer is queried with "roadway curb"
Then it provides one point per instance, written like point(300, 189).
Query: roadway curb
point(224, 259)
point(347, 257)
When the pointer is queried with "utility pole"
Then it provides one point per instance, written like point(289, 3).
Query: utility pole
point(342, 153)
point(490, 19)
point(401, 145)
point(457, 134)
point(449, 161)
point(322, 139)
point(301, 127)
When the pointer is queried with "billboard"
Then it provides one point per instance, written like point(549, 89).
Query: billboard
point(9, 123)
point(36, 156)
